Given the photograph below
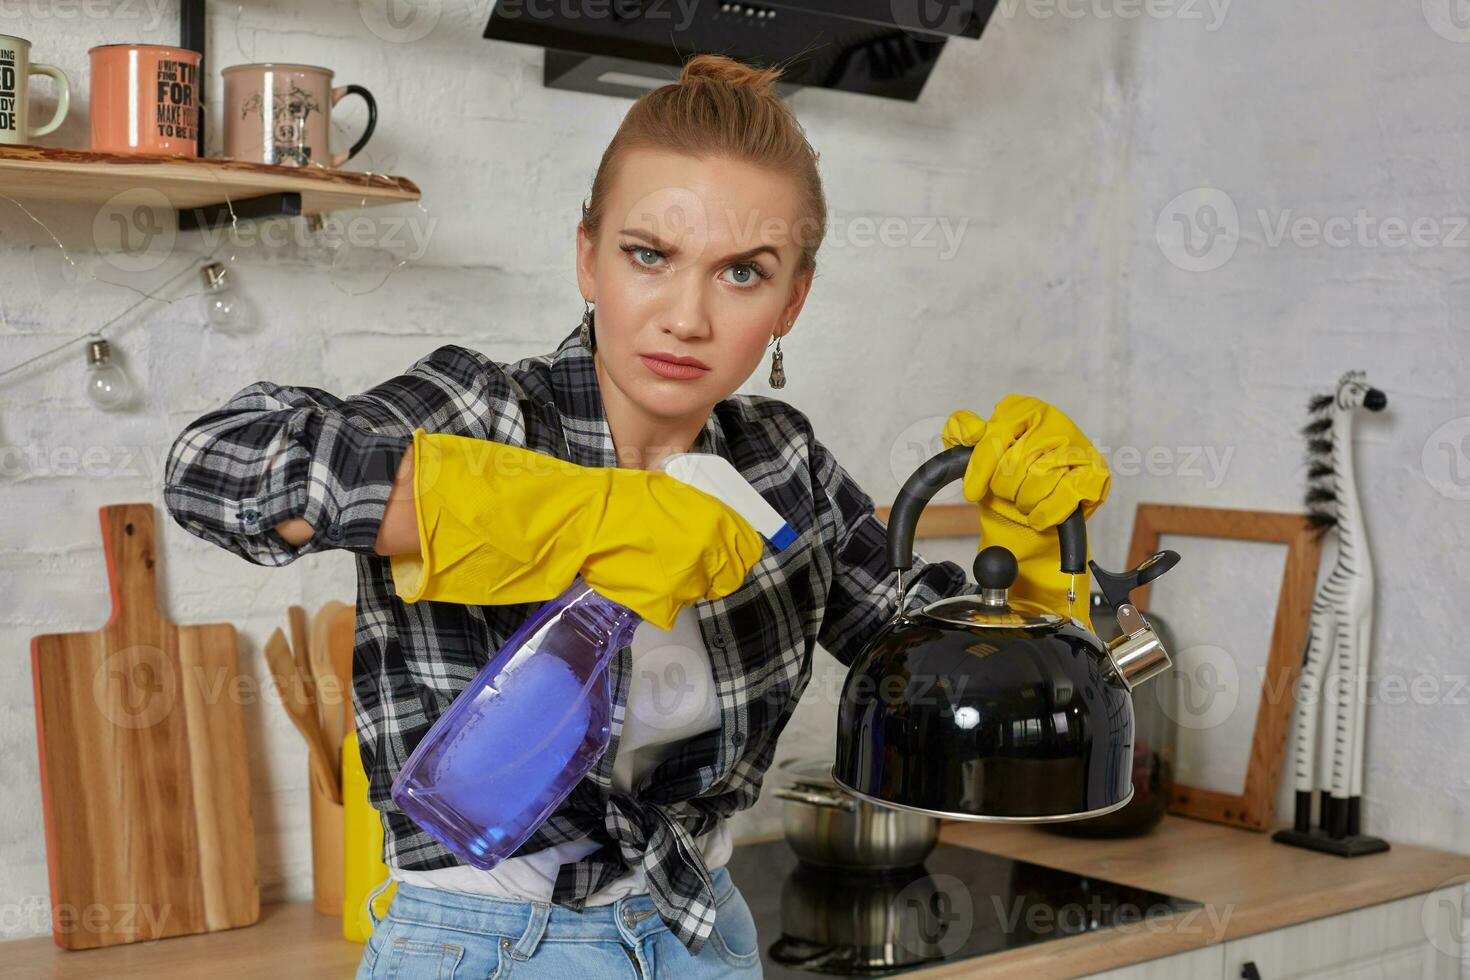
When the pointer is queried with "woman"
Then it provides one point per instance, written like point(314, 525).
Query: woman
point(472, 490)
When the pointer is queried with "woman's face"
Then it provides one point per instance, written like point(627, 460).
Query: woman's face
point(697, 258)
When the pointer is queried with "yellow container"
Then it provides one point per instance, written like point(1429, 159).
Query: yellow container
point(362, 839)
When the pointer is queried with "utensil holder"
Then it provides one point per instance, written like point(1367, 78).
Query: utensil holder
point(327, 867)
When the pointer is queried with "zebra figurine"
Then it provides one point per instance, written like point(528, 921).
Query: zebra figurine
point(1341, 629)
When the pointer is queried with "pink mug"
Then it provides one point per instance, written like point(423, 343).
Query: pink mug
point(281, 114)
point(145, 99)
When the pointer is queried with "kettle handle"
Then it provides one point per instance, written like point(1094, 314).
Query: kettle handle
point(934, 475)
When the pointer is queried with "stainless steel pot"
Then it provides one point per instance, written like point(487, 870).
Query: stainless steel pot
point(829, 827)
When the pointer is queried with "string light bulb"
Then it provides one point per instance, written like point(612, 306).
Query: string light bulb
point(225, 310)
point(108, 385)
point(321, 242)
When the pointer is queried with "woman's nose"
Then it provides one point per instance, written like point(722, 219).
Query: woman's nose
point(685, 316)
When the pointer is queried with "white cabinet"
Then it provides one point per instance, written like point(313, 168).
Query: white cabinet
point(1414, 938)
point(1197, 964)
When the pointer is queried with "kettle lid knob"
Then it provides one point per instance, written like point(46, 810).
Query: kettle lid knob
point(995, 568)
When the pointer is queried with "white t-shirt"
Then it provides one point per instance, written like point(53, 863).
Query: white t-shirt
point(671, 697)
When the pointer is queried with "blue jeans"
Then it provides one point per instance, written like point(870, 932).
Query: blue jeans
point(430, 932)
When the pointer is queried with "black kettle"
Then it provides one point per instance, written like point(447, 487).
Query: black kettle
point(984, 707)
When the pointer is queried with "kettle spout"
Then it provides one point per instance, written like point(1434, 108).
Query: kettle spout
point(1138, 653)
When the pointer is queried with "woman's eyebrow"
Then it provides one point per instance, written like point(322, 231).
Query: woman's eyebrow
point(663, 246)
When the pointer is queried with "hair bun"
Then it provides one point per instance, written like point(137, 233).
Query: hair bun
point(726, 70)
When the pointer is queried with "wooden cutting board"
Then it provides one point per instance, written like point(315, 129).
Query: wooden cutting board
point(144, 775)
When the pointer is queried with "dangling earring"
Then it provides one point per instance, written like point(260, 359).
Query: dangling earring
point(778, 373)
point(588, 340)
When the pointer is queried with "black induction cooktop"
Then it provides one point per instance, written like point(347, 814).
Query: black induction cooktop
point(959, 904)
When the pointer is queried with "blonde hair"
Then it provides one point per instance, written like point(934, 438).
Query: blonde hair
point(722, 108)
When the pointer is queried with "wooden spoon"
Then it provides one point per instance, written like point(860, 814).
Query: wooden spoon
point(291, 686)
point(300, 647)
point(329, 689)
point(342, 642)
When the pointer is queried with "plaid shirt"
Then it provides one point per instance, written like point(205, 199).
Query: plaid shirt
point(275, 452)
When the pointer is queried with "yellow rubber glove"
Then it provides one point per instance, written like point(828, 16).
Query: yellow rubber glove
point(1030, 470)
point(499, 524)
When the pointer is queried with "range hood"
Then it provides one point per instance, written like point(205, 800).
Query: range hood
point(885, 48)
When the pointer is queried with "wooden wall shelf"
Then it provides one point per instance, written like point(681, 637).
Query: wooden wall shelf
point(87, 177)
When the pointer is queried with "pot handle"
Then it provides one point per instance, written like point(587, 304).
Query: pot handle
point(939, 472)
point(818, 798)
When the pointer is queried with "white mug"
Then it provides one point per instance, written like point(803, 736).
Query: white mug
point(15, 74)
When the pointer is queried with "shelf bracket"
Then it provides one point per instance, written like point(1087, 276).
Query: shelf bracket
point(285, 205)
point(192, 36)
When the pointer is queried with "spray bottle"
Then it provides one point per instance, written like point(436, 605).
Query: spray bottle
point(537, 717)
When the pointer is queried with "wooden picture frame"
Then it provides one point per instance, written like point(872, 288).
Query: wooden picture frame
point(1254, 809)
point(942, 520)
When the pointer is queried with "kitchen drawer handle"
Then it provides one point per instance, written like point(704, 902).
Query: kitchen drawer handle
point(1249, 971)
point(819, 799)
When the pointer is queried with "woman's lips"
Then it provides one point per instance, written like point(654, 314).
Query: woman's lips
point(676, 372)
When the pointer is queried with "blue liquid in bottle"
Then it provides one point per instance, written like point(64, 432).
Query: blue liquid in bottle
point(524, 732)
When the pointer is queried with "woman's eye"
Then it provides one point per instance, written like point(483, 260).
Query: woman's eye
point(640, 250)
point(747, 273)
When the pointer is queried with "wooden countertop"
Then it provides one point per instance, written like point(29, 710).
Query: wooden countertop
point(289, 940)
point(1248, 885)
